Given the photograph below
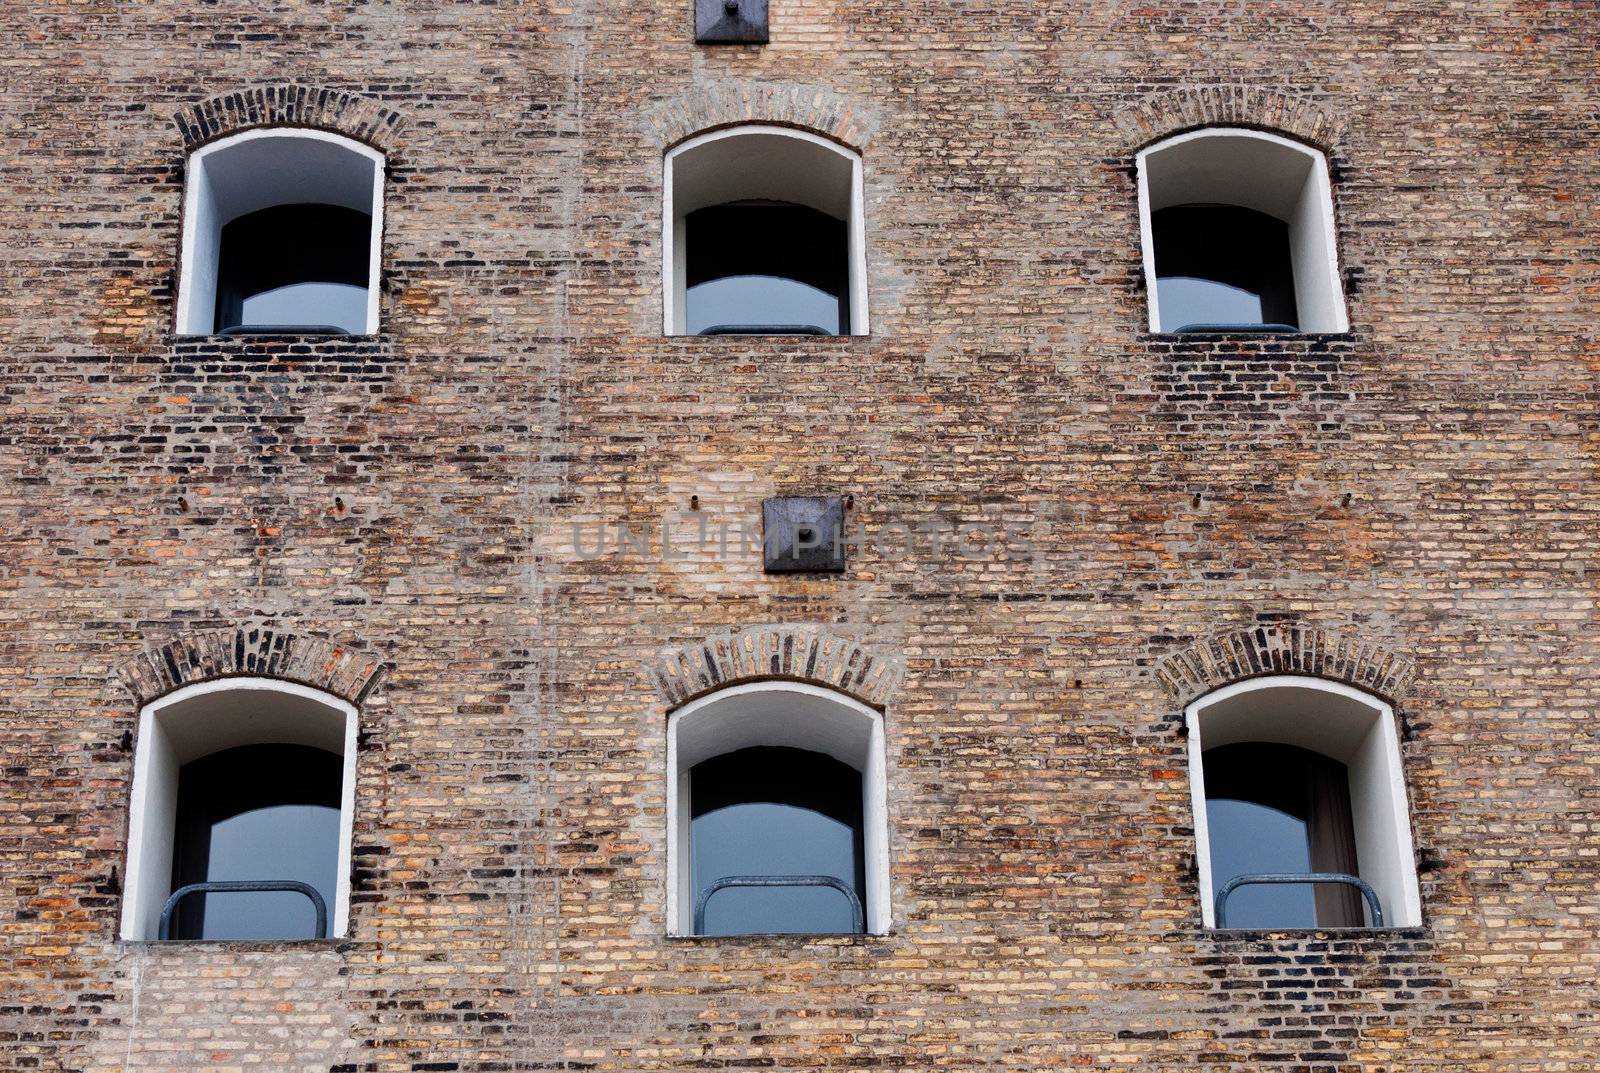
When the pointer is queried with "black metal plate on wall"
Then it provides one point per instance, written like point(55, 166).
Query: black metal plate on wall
point(803, 534)
point(730, 22)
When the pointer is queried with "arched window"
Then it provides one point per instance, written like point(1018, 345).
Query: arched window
point(241, 783)
point(1295, 778)
point(1238, 234)
point(763, 232)
point(282, 232)
point(778, 821)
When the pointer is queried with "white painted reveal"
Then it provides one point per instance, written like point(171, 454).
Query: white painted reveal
point(756, 161)
point(261, 169)
point(1350, 726)
point(205, 718)
point(789, 714)
point(1254, 170)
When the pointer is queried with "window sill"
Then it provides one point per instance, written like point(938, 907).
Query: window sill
point(780, 939)
point(1244, 335)
point(241, 945)
point(1406, 931)
point(732, 339)
point(219, 338)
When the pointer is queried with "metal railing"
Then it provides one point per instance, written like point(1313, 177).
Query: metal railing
point(1238, 329)
point(765, 329)
point(284, 329)
point(245, 886)
point(857, 917)
point(1357, 882)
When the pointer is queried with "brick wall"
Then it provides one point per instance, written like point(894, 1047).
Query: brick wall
point(1408, 507)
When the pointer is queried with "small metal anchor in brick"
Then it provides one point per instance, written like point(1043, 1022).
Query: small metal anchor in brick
point(730, 22)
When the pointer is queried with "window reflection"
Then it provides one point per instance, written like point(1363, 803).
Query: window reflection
point(1278, 808)
point(766, 264)
point(1205, 301)
point(770, 811)
point(256, 812)
point(301, 265)
point(341, 305)
point(1222, 265)
point(771, 300)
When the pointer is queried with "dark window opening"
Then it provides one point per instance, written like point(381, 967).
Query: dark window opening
point(1222, 266)
point(769, 265)
point(256, 812)
point(770, 811)
point(1278, 808)
point(295, 266)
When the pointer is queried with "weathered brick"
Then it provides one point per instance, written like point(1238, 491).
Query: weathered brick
point(1408, 507)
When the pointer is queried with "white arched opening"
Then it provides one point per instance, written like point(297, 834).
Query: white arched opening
point(777, 714)
point(269, 168)
point(205, 719)
point(759, 163)
point(1344, 724)
point(1248, 169)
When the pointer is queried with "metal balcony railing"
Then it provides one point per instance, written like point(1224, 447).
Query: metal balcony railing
point(284, 329)
point(764, 329)
point(857, 918)
point(1237, 329)
point(245, 886)
point(1360, 884)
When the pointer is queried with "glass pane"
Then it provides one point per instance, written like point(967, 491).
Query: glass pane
point(1187, 300)
point(263, 812)
point(1273, 809)
point(759, 300)
point(1222, 265)
point(337, 304)
point(1250, 838)
point(769, 812)
point(766, 264)
point(283, 842)
point(295, 265)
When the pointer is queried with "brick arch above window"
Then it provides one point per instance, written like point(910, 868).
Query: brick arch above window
point(729, 103)
point(1235, 655)
point(1161, 115)
point(347, 671)
point(290, 105)
point(763, 653)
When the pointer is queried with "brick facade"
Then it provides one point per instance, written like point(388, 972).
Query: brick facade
point(1408, 507)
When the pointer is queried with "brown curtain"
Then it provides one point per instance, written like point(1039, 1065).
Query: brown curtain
point(1333, 844)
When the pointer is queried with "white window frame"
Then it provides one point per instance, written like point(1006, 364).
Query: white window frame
point(779, 713)
point(673, 263)
point(202, 225)
point(1313, 238)
point(1377, 780)
point(158, 758)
